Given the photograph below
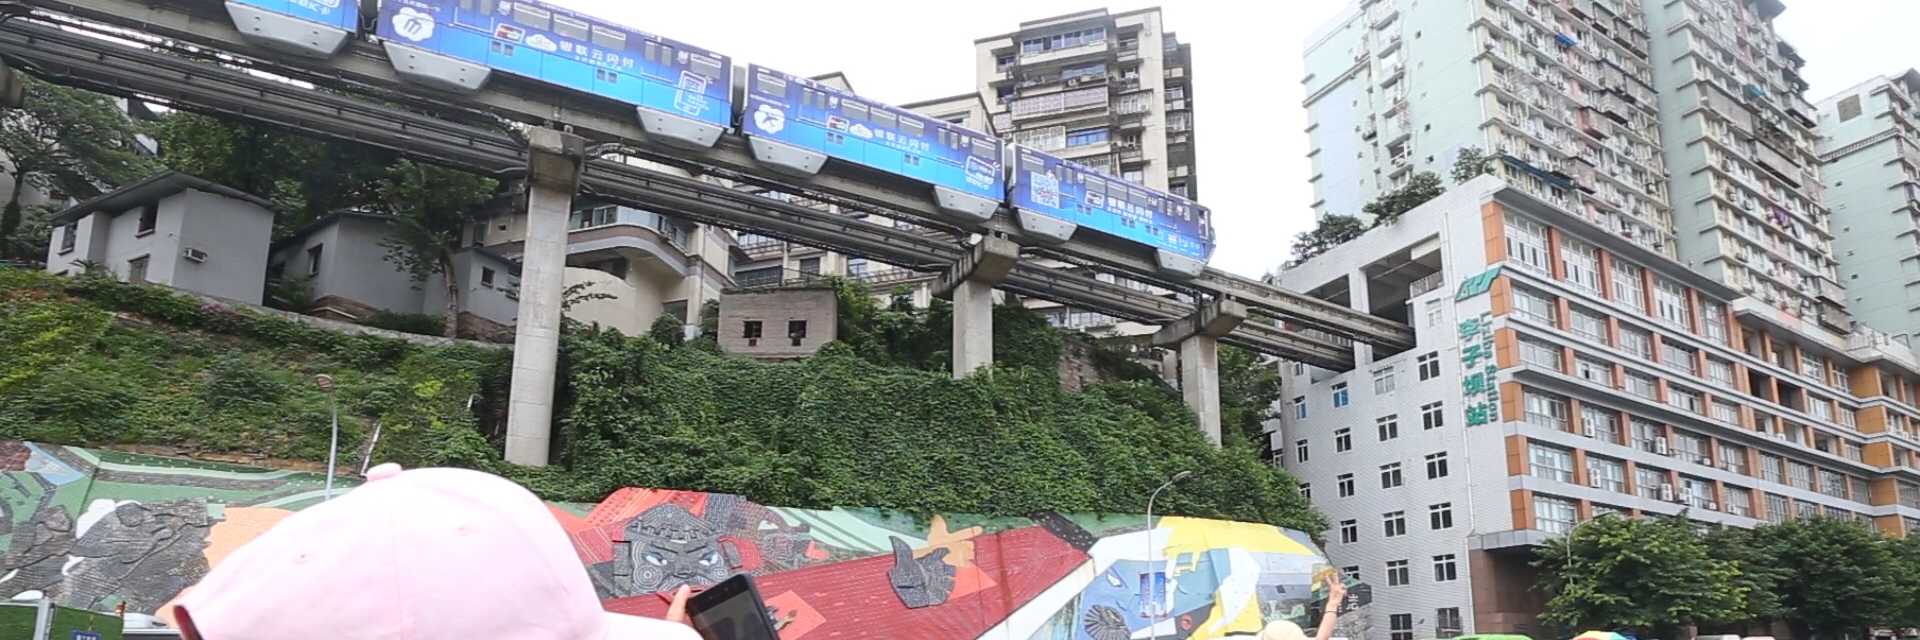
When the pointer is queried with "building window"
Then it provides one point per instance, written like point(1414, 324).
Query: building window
point(1714, 320)
point(1397, 574)
point(750, 330)
point(1778, 509)
point(1306, 491)
point(1344, 483)
point(1648, 437)
point(1600, 423)
point(1340, 397)
point(1850, 108)
point(1440, 516)
point(1642, 385)
point(1770, 468)
point(137, 270)
point(1300, 408)
point(486, 277)
point(1300, 452)
point(1433, 313)
point(1432, 416)
point(1581, 261)
point(1351, 572)
point(1800, 475)
point(1390, 476)
point(1436, 465)
point(593, 217)
point(1593, 371)
point(1383, 381)
point(1679, 357)
point(1670, 303)
point(1610, 475)
point(1083, 137)
point(1651, 483)
point(313, 259)
point(69, 235)
point(1636, 342)
point(1447, 622)
point(1739, 501)
point(1697, 493)
point(1342, 440)
point(1627, 287)
point(1720, 371)
point(1536, 306)
point(1540, 354)
point(1690, 447)
point(1444, 569)
point(1683, 398)
point(1546, 411)
point(1527, 243)
point(1833, 484)
point(1400, 625)
point(1551, 463)
point(1429, 365)
point(797, 331)
point(1349, 531)
point(1394, 524)
point(1389, 426)
point(1589, 325)
point(1554, 515)
point(1733, 458)
point(149, 218)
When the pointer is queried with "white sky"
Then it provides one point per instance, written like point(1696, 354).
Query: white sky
point(1249, 125)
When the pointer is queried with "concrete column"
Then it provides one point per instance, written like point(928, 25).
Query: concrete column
point(970, 284)
point(553, 176)
point(1200, 382)
point(1357, 299)
point(972, 327)
point(1198, 337)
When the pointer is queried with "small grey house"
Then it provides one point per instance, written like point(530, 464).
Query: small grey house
point(344, 258)
point(172, 229)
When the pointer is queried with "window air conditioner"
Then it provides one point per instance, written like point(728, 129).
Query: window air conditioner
point(1660, 446)
point(1666, 493)
point(194, 255)
point(1713, 506)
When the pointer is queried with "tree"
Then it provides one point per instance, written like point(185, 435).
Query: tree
point(1388, 208)
point(667, 331)
point(1650, 575)
point(67, 138)
point(1906, 570)
point(1759, 576)
point(1249, 387)
point(305, 178)
point(1471, 163)
point(429, 207)
point(1332, 231)
point(1842, 575)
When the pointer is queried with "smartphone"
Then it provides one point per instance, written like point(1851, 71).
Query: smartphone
point(731, 610)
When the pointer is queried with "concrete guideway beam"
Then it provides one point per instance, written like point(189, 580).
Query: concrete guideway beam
point(553, 175)
point(1198, 337)
point(971, 281)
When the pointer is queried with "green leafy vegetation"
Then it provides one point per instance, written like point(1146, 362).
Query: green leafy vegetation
point(92, 361)
point(1822, 577)
point(66, 140)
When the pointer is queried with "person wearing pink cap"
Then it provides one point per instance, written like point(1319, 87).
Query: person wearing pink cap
point(413, 555)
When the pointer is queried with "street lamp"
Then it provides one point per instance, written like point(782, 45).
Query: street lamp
point(325, 383)
point(1153, 610)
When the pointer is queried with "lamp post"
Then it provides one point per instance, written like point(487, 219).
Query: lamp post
point(325, 383)
point(1153, 609)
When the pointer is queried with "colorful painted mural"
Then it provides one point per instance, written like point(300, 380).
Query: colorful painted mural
point(95, 529)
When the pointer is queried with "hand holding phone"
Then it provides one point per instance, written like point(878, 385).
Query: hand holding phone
point(731, 610)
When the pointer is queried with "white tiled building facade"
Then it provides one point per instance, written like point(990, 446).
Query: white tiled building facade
point(1562, 371)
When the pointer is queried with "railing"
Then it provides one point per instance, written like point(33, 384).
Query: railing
point(1427, 283)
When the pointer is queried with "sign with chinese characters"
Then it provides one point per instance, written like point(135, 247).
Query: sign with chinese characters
point(1479, 370)
point(1477, 285)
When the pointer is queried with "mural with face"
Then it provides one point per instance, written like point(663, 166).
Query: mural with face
point(666, 547)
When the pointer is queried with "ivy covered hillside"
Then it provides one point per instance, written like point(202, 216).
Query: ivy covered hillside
point(871, 421)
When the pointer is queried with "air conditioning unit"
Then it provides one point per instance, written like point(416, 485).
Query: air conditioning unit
point(1660, 446)
point(1780, 436)
point(194, 255)
point(1713, 506)
point(1589, 431)
point(1666, 493)
point(1597, 483)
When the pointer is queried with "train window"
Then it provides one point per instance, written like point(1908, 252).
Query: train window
point(708, 66)
point(770, 84)
point(652, 52)
point(570, 28)
point(854, 110)
point(611, 38)
point(913, 128)
point(983, 149)
point(811, 97)
point(533, 16)
point(885, 120)
point(1031, 164)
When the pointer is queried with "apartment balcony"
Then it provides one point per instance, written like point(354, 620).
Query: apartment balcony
point(1131, 152)
point(1089, 50)
point(1868, 345)
point(760, 247)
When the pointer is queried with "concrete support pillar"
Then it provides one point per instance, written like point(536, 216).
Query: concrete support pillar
point(553, 172)
point(1198, 338)
point(970, 284)
point(1200, 382)
point(1357, 299)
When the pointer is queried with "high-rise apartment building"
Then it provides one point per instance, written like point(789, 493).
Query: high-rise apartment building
point(1562, 372)
point(1113, 91)
point(1561, 93)
point(1870, 148)
point(1747, 191)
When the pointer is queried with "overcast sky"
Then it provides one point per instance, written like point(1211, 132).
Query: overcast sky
point(1249, 125)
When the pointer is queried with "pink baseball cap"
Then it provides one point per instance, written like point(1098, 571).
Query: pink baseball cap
point(415, 555)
